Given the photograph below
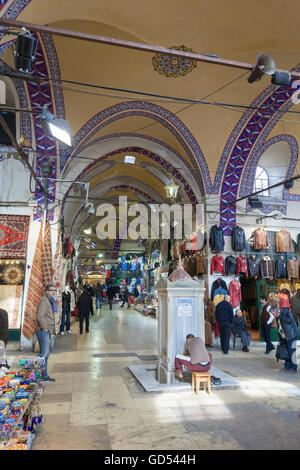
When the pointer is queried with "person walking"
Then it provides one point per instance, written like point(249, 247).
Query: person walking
point(126, 297)
point(239, 328)
point(288, 333)
point(266, 319)
point(84, 305)
point(224, 317)
point(45, 325)
point(99, 295)
point(66, 311)
point(110, 293)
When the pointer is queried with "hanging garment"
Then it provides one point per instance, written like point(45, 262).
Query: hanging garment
point(281, 269)
point(293, 269)
point(217, 264)
point(241, 266)
point(235, 293)
point(216, 284)
point(230, 265)
point(216, 239)
point(218, 298)
point(238, 239)
point(253, 266)
point(260, 239)
point(267, 269)
point(200, 265)
point(284, 241)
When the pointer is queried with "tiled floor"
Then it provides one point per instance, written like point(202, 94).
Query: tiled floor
point(96, 403)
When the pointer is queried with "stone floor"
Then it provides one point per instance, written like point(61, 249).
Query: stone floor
point(96, 402)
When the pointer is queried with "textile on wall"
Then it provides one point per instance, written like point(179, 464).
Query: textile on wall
point(47, 255)
point(57, 278)
point(13, 235)
point(11, 301)
point(35, 288)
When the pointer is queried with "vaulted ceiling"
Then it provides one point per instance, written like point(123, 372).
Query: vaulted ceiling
point(171, 139)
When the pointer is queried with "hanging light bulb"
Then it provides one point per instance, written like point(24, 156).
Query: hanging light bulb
point(171, 190)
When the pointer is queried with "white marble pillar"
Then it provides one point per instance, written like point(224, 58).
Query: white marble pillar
point(180, 312)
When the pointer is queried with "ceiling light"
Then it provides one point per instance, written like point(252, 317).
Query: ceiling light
point(100, 255)
point(88, 231)
point(129, 159)
point(57, 128)
point(171, 190)
point(90, 208)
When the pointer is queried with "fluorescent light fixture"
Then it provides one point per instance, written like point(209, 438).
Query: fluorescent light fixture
point(57, 128)
point(60, 129)
point(129, 159)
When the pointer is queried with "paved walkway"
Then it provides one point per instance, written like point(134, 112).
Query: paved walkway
point(96, 403)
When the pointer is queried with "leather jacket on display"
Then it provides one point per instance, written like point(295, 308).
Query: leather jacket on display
point(253, 266)
point(230, 266)
point(260, 239)
point(235, 293)
point(200, 265)
point(241, 266)
point(281, 268)
point(238, 239)
point(293, 269)
point(216, 239)
point(284, 242)
point(267, 269)
point(217, 264)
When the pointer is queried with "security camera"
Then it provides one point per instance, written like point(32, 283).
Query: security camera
point(90, 208)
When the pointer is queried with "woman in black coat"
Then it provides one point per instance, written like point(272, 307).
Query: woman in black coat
point(288, 333)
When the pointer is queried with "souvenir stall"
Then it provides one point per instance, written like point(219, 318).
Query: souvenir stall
point(20, 410)
point(13, 249)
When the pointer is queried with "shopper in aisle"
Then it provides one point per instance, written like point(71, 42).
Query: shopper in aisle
point(45, 325)
point(110, 293)
point(266, 319)
point(288, 333)
point(66, 310)
point(295, 306)
point(195, 357)
point(239, 328)
point(224, 317)
point(4, 326)
point(126, 297)
point(99, 295)
point(84, 305)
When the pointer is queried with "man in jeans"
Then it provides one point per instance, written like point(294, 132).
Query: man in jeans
point(45, 324)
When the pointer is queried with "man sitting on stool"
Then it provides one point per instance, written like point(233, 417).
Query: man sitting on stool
point(195, 357)
point(239, 328)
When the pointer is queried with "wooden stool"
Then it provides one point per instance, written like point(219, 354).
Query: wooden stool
point(204, 377)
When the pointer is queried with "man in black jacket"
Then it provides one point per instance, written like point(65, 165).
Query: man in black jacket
point(4, 326)
point(110, 295)
point(85, 306)
point(224, 317)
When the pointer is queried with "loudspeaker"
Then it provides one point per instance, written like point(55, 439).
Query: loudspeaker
point(265, 65)
point(281, 78)
point(255, 202)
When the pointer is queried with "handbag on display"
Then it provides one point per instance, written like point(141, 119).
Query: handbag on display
point(282, 352)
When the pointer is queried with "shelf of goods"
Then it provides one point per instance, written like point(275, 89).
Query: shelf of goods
point(20, 410)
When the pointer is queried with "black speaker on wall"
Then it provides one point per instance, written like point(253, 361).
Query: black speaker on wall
point(10, 119)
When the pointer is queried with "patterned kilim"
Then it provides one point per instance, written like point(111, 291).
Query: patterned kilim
point(35, 288)
point(13, 235)
point(47, 255)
